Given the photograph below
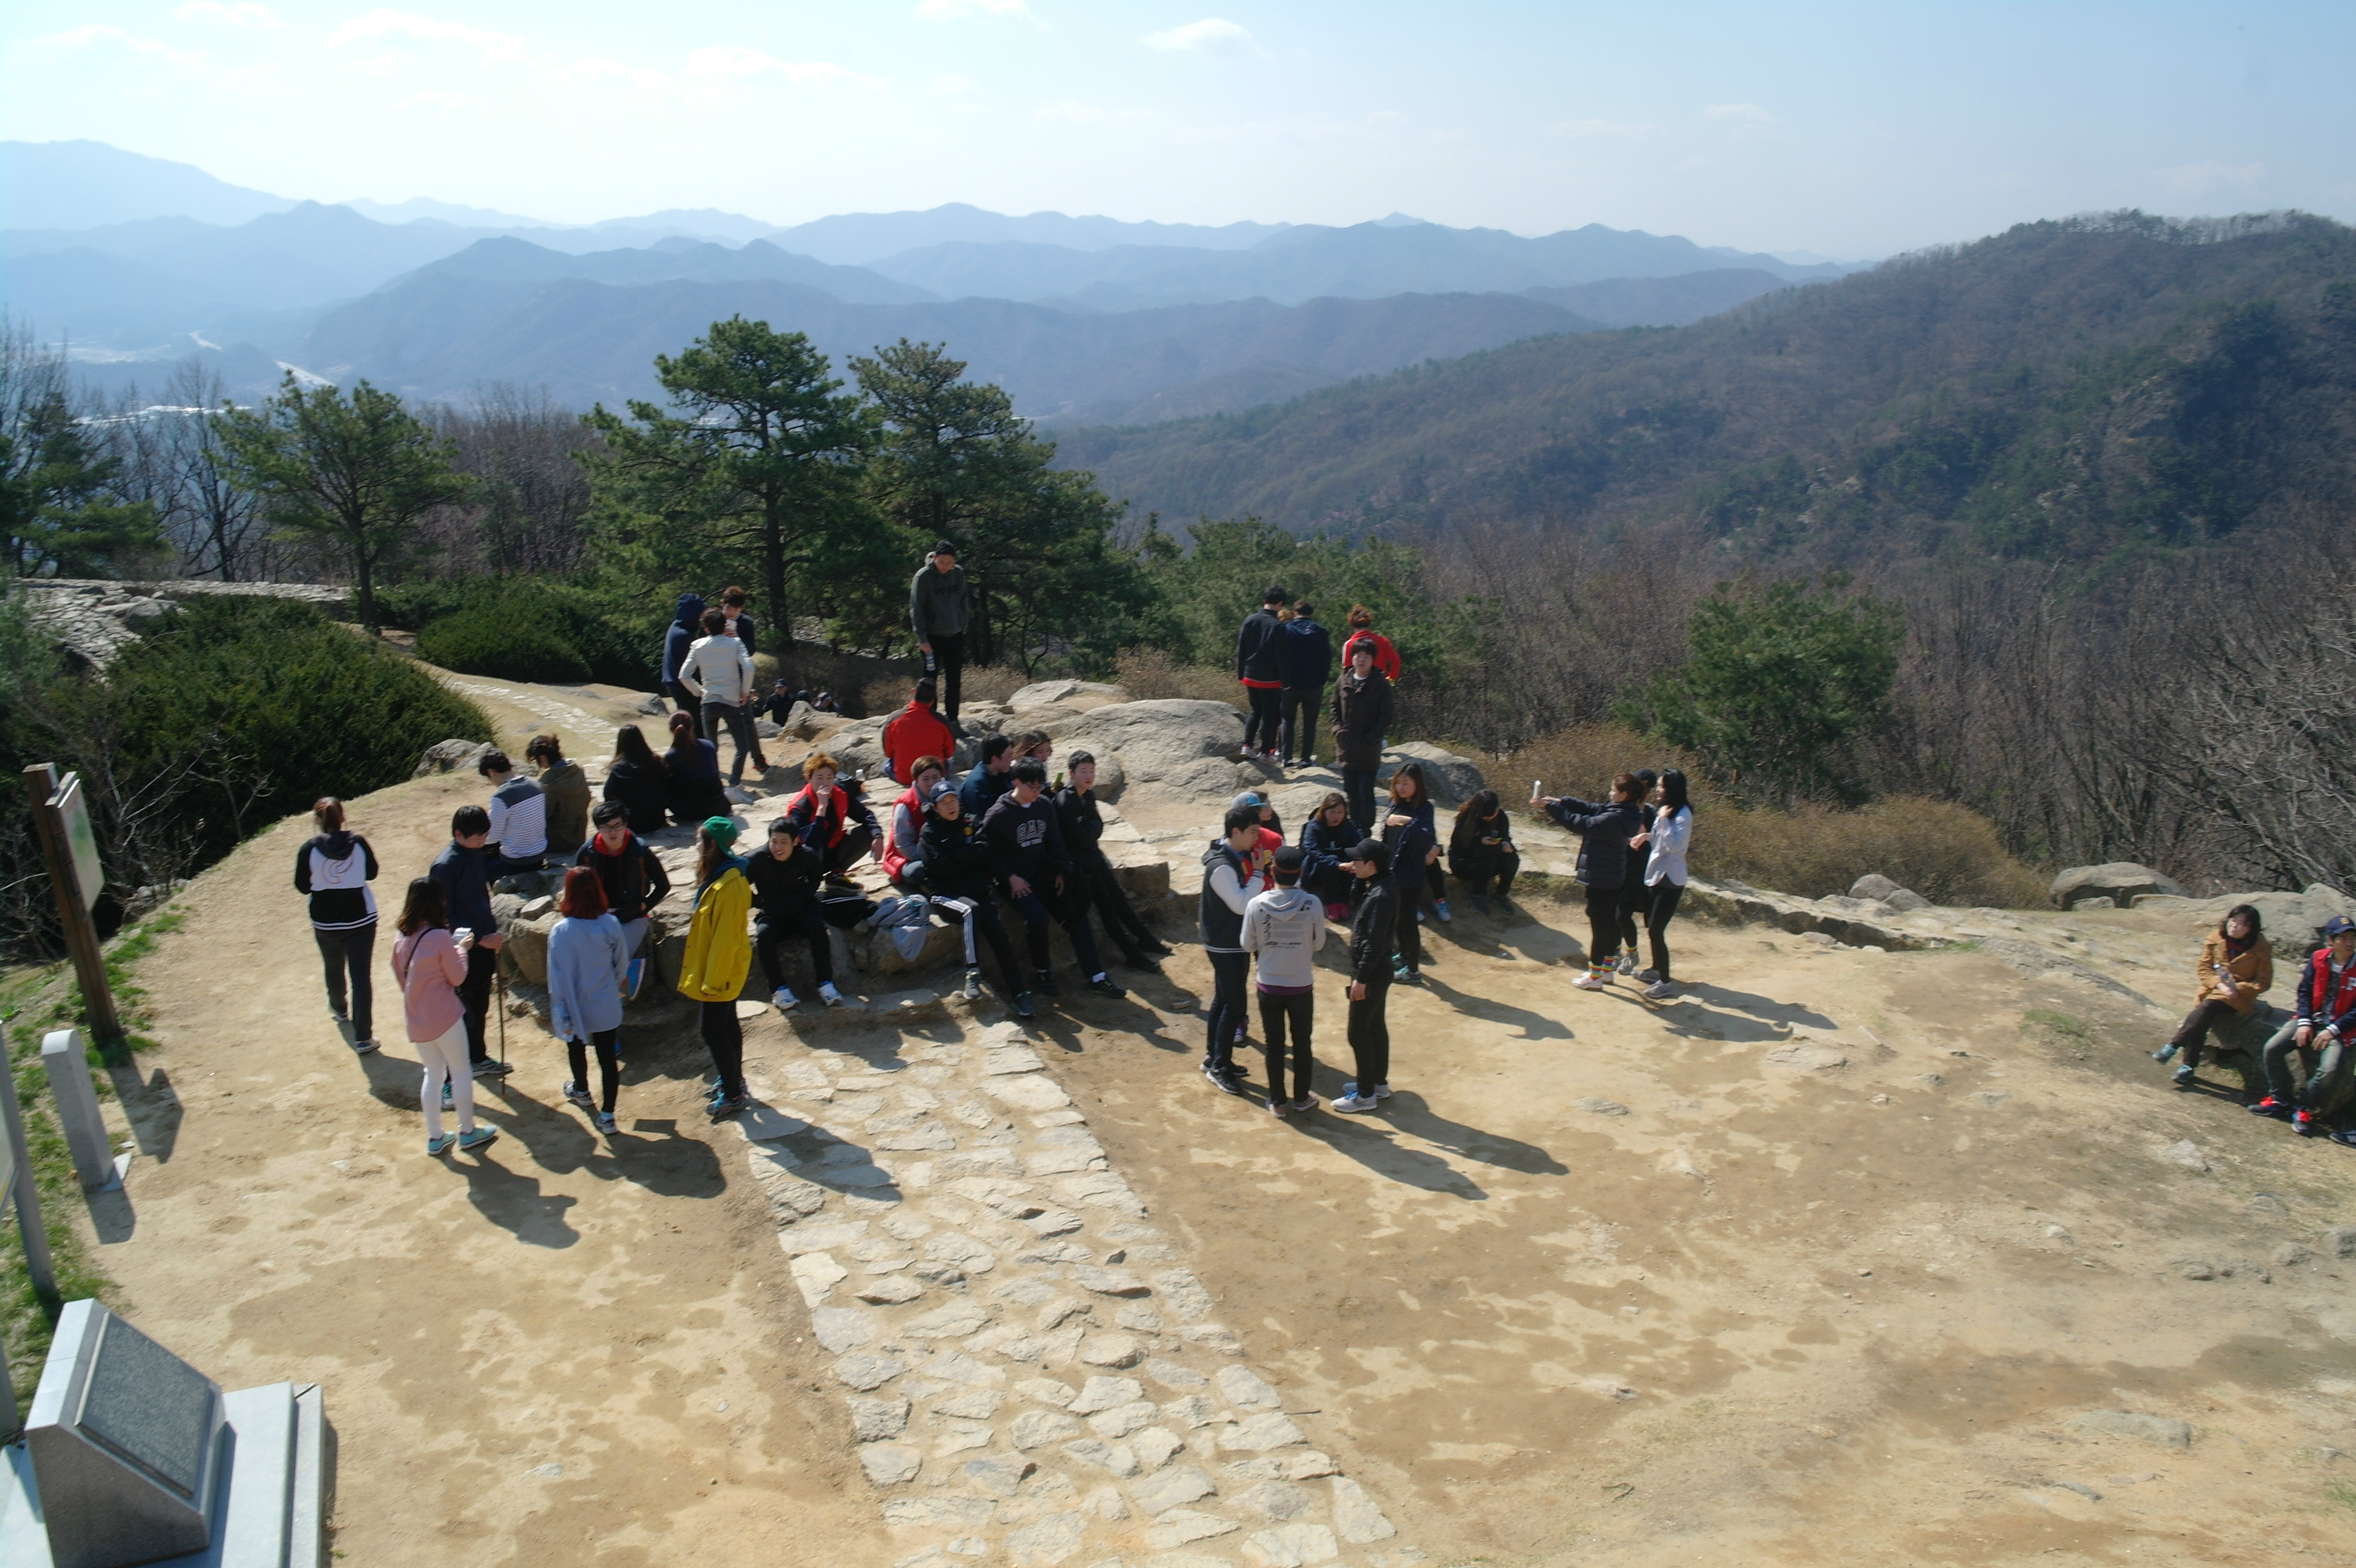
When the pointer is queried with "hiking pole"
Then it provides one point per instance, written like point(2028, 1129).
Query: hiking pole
point(500, 994)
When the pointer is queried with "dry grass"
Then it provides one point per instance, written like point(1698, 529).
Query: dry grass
point(979, 684)
point(1148, 675)
point(1948, 853)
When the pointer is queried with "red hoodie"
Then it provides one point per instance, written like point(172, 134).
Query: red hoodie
point(916, 731)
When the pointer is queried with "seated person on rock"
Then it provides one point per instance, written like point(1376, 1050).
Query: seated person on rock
point(1480, 849)
point(916, 731)
point(987, 780)
point(2237, 963)
point(693, 792)
point(1033, 865)
point(2322, 1017)
point(632, 876)
point(636, 780)
point(566, 789)
point(957, 884)
point(518, 841)
point(1096, 883)
point(899, 854)
point(829, 818)
point(1328, 839)
point(785, 904)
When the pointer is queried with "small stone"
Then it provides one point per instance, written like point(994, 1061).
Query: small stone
point(1010, 1060)
point(1211, 1336)
point(1156, 1446)
point(1183, 1294)
point(1109, 1505)
point(890, 1464)
point(865, 1372)
point(1035, 1428)
point(1276, 1501)
point(1308, 1464)
point(1045, 1391)
point(2290, 1254)
point(872, 1420)
point(1180, 1526)
point(957, 1368)
point(892, 1290)
point(955, 1321)
point(1357, 1520)
point(1247, 1390)
point(1056, 1313)
point(972, 1404)
point(1054, 1222)
point(1104, 1394)
point(2267, 1203)
point(1114, 1456)
point(2340, 1241)
point(1272, 1430)
point(1600, 1107)
point(1166, 1489)
point(2056, 1233)
point(1025, 1290)
point(842, 1328)
point(1112, 1351)
point(817, 1273)
point(2185, 1152)
point(1002, 1476)
point(1171, 1374)
point(1137, 1319)
point(1109, 1282)
point(1291, 1546)
point(1045, 1541)
point(1194, 1411)
point(1122, 1420)
point(945, 1513)
point(2121, 1424)
point(2197, 1270)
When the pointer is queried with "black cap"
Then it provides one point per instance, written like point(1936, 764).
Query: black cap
point(1373, 850)
point(945, 547)
point(1288, 858)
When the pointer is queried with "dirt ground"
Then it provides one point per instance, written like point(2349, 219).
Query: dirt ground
point(1813, 1266)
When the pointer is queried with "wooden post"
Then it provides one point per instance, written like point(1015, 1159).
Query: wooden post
point(81, 934)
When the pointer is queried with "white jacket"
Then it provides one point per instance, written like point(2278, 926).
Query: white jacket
point(717, 670)
point(1670, 840)
point(1285, 926)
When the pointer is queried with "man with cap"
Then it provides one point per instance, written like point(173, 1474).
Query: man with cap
point(936, 608)
point(1373, 929)
point(2323, 1015)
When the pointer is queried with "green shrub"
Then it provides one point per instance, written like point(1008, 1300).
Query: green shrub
point(525, 629)
point(491, 641)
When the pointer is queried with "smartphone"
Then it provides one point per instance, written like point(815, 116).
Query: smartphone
point(1537, 791)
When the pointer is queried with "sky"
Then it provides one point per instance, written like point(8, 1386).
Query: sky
point(1850, 130)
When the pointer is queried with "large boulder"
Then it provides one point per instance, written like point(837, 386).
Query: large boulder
point(858, 746)
point(1452, 778)
point(2114, 884)
point(1080, 694)
point(1881, 890)
point(1174, 743)
point(2292, 922)
point(450, 757)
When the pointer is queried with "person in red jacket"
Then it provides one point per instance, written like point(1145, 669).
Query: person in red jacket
point(1362, 632)
point(916, 730)
point(830, 820)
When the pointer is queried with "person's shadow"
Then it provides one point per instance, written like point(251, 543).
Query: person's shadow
point(1533, 1025)
point(1714, 1013)
point(514, 1202)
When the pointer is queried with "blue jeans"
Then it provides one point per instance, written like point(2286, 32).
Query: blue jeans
point(1229, 971)
point(2333, 1051)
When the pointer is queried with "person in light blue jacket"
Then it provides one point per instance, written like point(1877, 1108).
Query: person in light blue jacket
point(588, 961)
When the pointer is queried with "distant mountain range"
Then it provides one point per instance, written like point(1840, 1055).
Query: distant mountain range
point(134, 261)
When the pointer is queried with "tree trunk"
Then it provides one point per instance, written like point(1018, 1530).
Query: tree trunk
point(773, 581)
point(364, 575)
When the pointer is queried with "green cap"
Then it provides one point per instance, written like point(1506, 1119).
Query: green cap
point(721, 829)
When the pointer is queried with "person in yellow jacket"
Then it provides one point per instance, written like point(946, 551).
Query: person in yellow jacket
point(719, 956)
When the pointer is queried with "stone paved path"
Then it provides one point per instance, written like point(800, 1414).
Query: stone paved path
point(1027, 1369)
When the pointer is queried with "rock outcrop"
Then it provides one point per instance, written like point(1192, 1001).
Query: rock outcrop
point(1880, 889)
point(2114, 886)
point(450, 757)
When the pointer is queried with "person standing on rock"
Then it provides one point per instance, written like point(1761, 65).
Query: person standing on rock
point(1410, 836)
point(958, 884)
point(1259, 666)
point(1362, 706)
point(2237, 964)
point(916, 731)
point(518, 841)
point(333, 869)
point(1283, 928)
point(785, 901)
point(1236, 870)
point(566, 790)
point(686, 626)
point(588, 971)
point(633, 879)
point(939, 611)
point(1604, 828)
point(1083, 823)
point(718, 957)
point(461, 870)
point(2323, 1016)
point(430, 963)
point(1031, 863)
point(1373, 936)
point(738, 621)
point(1664, 844)
point(1363, 635)
point(718, 670)
point(1305, 655)
point(1481, 850)
point(636, 780)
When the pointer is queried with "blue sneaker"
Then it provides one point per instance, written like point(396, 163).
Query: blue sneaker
point(441, 1145)
point(482, 1135)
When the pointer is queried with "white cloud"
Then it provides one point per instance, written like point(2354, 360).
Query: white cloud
point(245, 14)
point(1738, 112)
point(98, 36)
point(733, 61)
point(494, 48)
point(2213, 175)
point(1211, 33)
point(958, 10)
point(1604, 130)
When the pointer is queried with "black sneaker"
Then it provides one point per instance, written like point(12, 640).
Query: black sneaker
point(1227, 1082)
point(491, 1069)
point(1158, 948)
point(2346, 1136)
point(1145, 961)
point(1046, 985)
point(579, 1096)
point(734, 1105)
point(2272, 1107)
point(1102, 985)
point(1022, 1007)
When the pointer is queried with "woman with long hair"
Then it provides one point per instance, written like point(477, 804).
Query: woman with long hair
point(1480, 849)
point(2237, 963)
point(692, 763)
point(429, 965)
point(332, 868)
point(1605, 829)
point(719, 956)
point(588, 971)
point(1328, 839)
point(1668, 839)
point(1413, 840)
point(636, 780)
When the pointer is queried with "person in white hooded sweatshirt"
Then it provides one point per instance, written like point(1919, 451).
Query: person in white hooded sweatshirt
point(1283, 928)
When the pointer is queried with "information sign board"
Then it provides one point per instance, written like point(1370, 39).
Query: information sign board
point(73, 807)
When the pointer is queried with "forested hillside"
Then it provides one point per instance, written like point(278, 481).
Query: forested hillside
point(2064, 391)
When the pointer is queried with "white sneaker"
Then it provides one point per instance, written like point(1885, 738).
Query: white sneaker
point(829, 996)
point(1649, 976)
point(1590, 980)
point(1382, 1091)
point(784, 999)
point(1355, 1104)
point(1660, 990)
point(972, 989)
point(1627, 964)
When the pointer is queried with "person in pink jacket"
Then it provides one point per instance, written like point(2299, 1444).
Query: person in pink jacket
point(428, 963)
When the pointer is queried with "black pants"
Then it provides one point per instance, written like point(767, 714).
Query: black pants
point(1264, 719)
point(689, 704)
point(475, 997)
point(945, 665)
point(771, 933)
point(1370, 1036)
point(1123, 923)
point(498, 864)
point(1276, 1012)
point(346, 954)
point(1297, 710)
point(979, 918)
point(1635, 903)
point(1229, 973)
point(609, 1066)
point(2194, 1034)
point(737, 720)
point(1358, 786)
point(1479, 875)
point(1663, 909)
point(1032, 907)
point(723, 1036)
point(1414, 884)
point(840, 856)
point(1602, 925)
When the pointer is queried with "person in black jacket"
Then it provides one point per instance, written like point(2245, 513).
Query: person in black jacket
point(1259, 667)
point(1327, 839)
point(958, 887)
point(1635, 904)
point(1361, 720)
point(333, 869)
point(633, 877)
point(1305, 656)
point(466, 898)
point(1480, 849)
point(1372, 934)
point(1031, 863)
point(636, 780)
point(1083, 826)
point(1604, 828)
point(785, 901)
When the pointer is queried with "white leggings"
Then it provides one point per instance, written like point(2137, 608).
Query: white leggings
point(446, 1057)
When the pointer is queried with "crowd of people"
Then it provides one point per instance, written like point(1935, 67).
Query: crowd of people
point(1005, 838)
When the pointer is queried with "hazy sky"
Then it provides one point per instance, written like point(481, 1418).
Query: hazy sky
point(1852, 130)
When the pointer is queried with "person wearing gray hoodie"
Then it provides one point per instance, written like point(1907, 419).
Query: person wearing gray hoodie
point(1283, 928)
point(686, 626)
